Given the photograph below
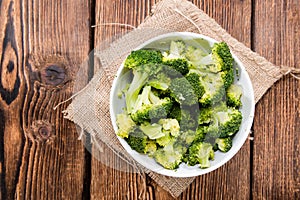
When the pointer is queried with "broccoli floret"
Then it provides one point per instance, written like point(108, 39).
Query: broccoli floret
point(214, 89)
point(194, 54)
point(205, 116)
point(141, 75)
point(223, 56)
point(139, 142)
point(125, 125)
point(187, 116)
point(200, 153)
point(177, 49)
point(175, 112)
point(149, 106)
point(183, 92)
point(224, 144)
point(221, 53)
point(150, 148)
point(161, 81)
point(171, 155)
point(229, 121)
point(141, 57)
point(170, 125)
point(180, 65)
point(194, 80)
point(234, 94)
point(187, 137)
point(201, 133)
point(153, 131)
point(163, 141)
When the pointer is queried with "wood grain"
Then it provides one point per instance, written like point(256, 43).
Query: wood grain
point(106, 181)
point(276, 131)
point(204, 187)
point(43, 45)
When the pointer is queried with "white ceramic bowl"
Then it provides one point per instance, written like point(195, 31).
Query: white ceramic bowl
point(116, 106)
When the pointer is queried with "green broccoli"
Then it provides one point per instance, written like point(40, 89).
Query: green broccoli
point(171, 155)
point(229, 121)
point(148, 106)
point(233, 94)
point(187, 137)
point(166, 139)
point(180, 65)
point(183, 92)
point(205, 115)
point(224, 144)
point(214, 89)
point(194, 80)
point(161, 81)
point(200, 153)
point(187, 116)
point(141, 75)
point(201, 133)
point(141, 57)
point(125, 125)
point(170, 125)
point(221, 53)
point(139, 142)
point(153, 131)
point(194, 55)
point(177, 49)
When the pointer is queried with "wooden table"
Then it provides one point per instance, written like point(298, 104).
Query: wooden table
point(40, 156)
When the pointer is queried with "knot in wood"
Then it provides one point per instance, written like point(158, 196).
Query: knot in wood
point(53, 74)
point(44, 132)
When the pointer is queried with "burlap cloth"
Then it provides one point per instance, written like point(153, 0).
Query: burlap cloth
point(90, 108)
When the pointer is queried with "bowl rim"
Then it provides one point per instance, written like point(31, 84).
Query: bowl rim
point(245, 132)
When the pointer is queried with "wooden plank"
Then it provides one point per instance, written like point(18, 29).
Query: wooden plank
point(133, 12)
point(107, 182)
point(42, 156)
point(276, 158)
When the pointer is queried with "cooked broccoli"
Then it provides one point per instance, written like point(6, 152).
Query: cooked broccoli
point(175, 59)
point(200, 153)
point(187, 116)
point(171, 155)
point(205, 115)
point(223, 56)
point(214, 89)
point(221, 53)
point(224, 144)
point(125, 125)
point(141, 57)
point(166, 139)
point(161, 81)
point(181, 104)
point(149, 106)
point(181, 65)
point(177, 49)
point(141, 75)
point(229, 121)
point(234, 93)
point(187, 137)
point(194, 54)
point(183, 92)
point(194, 80)
point(153, 131)
point(201, 133)
point(170, 125)
point(139, 142)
